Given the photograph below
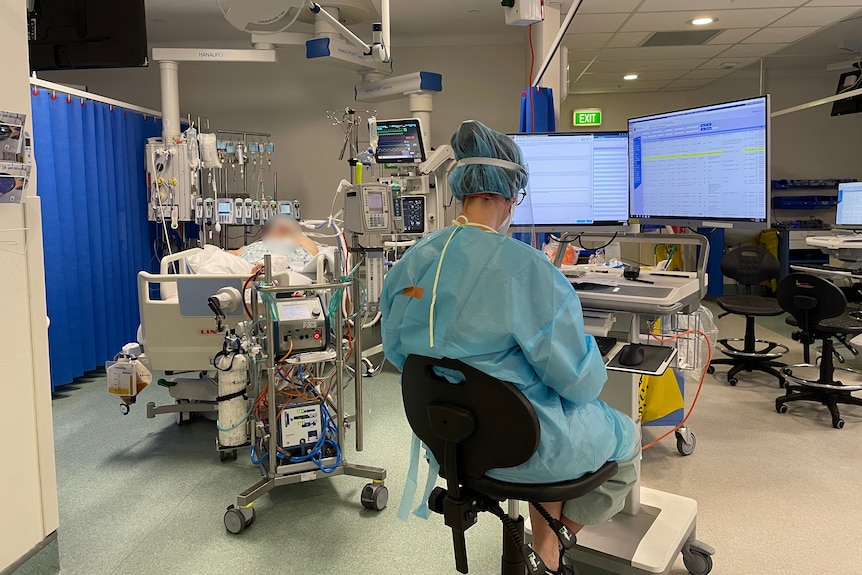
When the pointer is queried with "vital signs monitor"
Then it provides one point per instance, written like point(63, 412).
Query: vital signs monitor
point(399, 142)
point(704, 167)
point(576, 179)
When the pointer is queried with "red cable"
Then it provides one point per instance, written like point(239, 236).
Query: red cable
point(699, 387)
point(530, 81)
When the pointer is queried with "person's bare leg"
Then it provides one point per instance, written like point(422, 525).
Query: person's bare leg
point(575, 527)
point(545, 541)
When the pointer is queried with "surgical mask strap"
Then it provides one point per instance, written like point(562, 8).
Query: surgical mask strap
point(491, 162)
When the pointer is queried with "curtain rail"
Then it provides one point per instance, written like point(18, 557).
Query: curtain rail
point(89, 96)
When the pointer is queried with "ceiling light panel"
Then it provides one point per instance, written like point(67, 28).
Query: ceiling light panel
point(780, 35)
point(668, 21)
point(646, 76)
point(822, 16)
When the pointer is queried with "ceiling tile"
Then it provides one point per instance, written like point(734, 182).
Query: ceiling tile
point(733, 36)
point(597, 22)
point(835, 3)
point(659, 53)
point(621, 86)
point(707, 74)
point(583, 54)
point(608, 6)
point(627, 39)
point(587, 40)
point(707, 5)
point(643, 76)
point(688, 84)
point(751, 50)
point(666, 21)
point(821, 16)
point(780, 35)
point(641, 66)
point(716, 63)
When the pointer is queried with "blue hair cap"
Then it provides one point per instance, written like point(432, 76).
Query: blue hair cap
point(476, 140)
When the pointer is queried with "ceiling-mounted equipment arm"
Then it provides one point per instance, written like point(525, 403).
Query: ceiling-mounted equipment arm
point(318, 10)
point(564, 28)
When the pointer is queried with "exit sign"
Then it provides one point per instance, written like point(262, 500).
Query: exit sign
point(592, 117)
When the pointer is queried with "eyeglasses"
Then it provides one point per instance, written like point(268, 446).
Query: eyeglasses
point(522, 195)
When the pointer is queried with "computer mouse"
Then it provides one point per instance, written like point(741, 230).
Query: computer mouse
point(632, 355)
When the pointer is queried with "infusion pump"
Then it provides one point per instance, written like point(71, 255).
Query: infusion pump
point(383, 209)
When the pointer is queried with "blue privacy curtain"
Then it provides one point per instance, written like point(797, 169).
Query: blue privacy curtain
point(92, 184)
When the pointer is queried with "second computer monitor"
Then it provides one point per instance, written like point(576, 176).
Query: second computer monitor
point(849, 213)
point(576, 179)
point(702, 167)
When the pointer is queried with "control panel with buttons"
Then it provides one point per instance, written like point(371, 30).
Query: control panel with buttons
point(302, 325)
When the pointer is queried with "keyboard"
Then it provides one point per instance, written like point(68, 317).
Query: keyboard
point(589, 286)
point(606, 344)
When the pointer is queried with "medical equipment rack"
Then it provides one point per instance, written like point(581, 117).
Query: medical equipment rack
point(374, 495)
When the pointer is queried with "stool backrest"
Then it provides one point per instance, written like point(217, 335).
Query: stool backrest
point(492, 423)
point(750, 265)
point(810, 299)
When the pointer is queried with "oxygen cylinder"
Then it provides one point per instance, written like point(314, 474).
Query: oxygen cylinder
point(232, 410)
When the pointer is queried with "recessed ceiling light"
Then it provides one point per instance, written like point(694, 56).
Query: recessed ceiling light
point(472, 11)
point(630, 77)
point(703, 21)
point(727, 66)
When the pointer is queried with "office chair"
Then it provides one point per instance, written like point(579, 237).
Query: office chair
point(817, 307)
point(471, 427)
point(749, 266)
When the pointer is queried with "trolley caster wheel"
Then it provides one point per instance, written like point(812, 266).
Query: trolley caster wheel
point(227, 455)
point(684, 447)
point(781, 408)
point(697, 562)
point(124, 408)
point(732, 381)
point(375, 496)
point(237, 520)
point(788, 371)
point(838, 424)
point(710, 369)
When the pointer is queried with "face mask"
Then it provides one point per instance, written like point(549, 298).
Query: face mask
point(504, 227)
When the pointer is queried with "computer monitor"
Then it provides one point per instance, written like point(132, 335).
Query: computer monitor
point(849, 205)
point(399, 142)
point(576, 179)
point(703, 167)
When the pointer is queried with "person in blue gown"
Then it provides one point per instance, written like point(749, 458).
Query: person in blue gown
point(469, 292)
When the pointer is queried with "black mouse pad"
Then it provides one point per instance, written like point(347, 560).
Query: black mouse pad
point(654, 356)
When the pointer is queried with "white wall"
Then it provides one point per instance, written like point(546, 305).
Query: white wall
point(290, 100)
point(27, 476)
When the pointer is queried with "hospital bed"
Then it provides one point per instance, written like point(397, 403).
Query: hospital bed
point(178, 332)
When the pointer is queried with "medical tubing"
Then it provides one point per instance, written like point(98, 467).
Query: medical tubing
point(699, 387)
point(254, 461)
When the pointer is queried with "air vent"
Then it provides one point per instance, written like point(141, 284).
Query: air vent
point(684, 38)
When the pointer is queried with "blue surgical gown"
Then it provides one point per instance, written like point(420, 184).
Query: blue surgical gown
point(504, 309)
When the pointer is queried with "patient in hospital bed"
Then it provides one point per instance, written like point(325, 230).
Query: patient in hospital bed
point(282, 238)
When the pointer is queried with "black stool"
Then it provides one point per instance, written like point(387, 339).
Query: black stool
point(817, 306)
point(749, 266)
point(470, 427)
